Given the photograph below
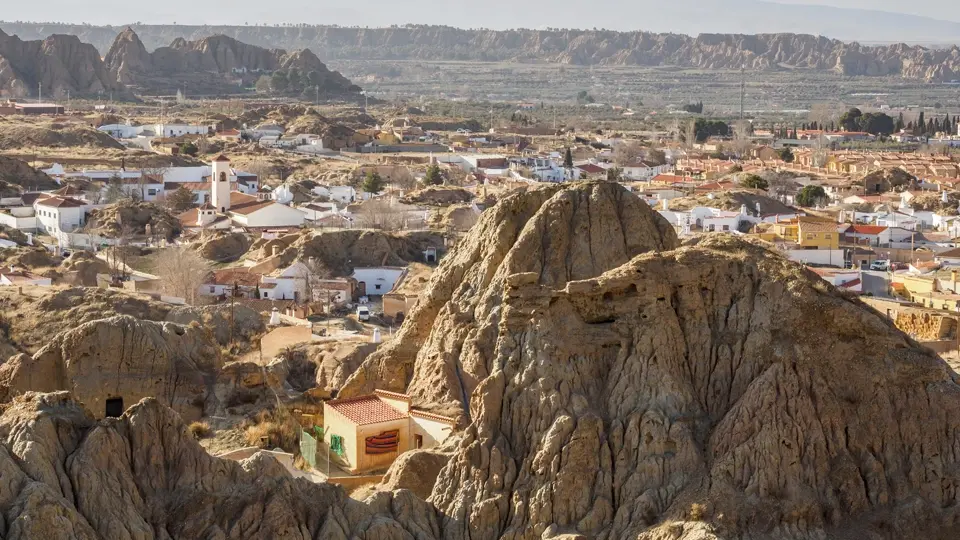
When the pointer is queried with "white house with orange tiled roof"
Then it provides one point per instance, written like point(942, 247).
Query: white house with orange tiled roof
point(236, 209)
point(367, 433)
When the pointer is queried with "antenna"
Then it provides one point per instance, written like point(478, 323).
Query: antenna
point(39, 93)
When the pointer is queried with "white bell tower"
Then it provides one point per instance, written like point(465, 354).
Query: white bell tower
point(220, 183)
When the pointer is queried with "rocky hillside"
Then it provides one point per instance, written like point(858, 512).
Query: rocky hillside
point(191, 63)
point(66, 476)
point(60, 63)
point(616, 384)
point(581, 47)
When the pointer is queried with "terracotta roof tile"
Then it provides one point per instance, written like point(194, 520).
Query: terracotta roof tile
point(366, 410)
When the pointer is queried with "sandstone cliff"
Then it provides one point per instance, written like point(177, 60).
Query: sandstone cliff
point(60, 63)
point(121, 357)
point(583, 47)
point(190, 65)
point(616, 384)
point(66, 477)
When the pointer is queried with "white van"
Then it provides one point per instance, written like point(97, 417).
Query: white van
point(363, 313)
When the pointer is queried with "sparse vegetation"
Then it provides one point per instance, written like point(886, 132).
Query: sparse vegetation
point(199, 430)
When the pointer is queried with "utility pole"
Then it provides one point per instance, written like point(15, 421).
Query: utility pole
point(39, 93)
point(743, 88)
point(233, 296)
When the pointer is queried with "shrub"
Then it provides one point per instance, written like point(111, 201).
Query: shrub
point(273, 429)
point(199, 430)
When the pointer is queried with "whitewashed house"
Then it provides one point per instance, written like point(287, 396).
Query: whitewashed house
point(59, 214)
point(377, 281)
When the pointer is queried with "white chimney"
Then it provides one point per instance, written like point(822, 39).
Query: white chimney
point(943, 196)
point(664, 204)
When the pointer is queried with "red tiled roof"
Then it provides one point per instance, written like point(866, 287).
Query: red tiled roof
point(61, 202)
point(590, 168)
point(229, 276)
point(866, 229)
point(850, 284)
point(366, 410)
point(435, 417)
point(243, 204)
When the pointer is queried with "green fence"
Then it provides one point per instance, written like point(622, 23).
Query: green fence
point(308, 448)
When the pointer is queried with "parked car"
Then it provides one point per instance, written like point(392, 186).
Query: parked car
point(363, 313)
point(880, 266)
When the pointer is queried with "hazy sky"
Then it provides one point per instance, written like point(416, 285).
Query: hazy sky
point(509, 13)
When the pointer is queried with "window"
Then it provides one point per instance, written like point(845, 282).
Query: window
point(114, 407)
point(418, 440)
point(826, 236)
point(726, 227)
point(213, 289)
point(151, 192)
point(378, 286)
point(809, 236)
point(266, 294)
point(223, 177)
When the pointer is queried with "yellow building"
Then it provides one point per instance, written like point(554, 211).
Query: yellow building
point(817, 234)
point(367, 434)
point(786, 230)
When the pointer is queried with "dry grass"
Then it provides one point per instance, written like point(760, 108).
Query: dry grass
point(275, 428)
point(697, 512)
point(199, 430)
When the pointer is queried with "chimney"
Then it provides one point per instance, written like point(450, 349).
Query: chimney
point(665, 204)
point(276, 250)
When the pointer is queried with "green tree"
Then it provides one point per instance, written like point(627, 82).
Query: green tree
point(373, 183)
point(811, 196)
point(753, 181)
point(568, 159)
point(434, 176)
point(850, 120)
point(262, 85)
point(279, 82)
point(877, 124)
point(786, 155)
point(189, 149)
point(180, 200)
point(294, 81)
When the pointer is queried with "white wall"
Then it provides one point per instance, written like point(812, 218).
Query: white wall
point(827, 257)
point(275, 215)
point(55, 220)
point(385, 277)
point(21, 223)
point(433, 432)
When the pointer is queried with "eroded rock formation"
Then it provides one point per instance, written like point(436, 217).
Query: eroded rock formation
point(60, 63)
point(66, 476)
point(614, 382)
point(121, 357)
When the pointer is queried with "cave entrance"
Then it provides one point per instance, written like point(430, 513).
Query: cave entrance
point(114, 408)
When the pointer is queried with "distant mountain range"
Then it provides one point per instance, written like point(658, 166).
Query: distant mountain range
point(63, 65)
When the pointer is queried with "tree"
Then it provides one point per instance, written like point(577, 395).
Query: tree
point(811, 196)
point(753, 181)
point(785, 154)
point(114, 190)
point(614, 174)
point(180, 200)
point(263, 85)
point(877, 124)
point(921, 125)
point(373, 183)
point(434, 176)
point(568, 159)
point(657, 156)
point(279, 82)
point(850, 120)
point(626, 153)
point(189, 149)
point(182, 272)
